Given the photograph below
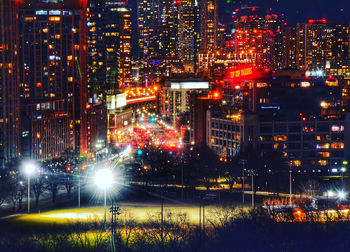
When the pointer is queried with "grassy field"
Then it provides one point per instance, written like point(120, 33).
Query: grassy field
point(139, 213)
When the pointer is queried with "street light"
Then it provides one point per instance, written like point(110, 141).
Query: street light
point(290, 183)
point(104, 180)
point(29, 169)
point(341, 195)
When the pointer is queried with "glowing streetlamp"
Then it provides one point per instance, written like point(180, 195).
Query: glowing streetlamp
point(104, 180)
point(341, 195)
point(29, 170)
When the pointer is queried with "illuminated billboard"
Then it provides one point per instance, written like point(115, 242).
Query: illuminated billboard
point(120, 100)
point(116, 101)
point(190, 85)
point(247, 72)
point(242, 73)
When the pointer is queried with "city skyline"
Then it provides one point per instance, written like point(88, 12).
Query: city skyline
point(201, 123)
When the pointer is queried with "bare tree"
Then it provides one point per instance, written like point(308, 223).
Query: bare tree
point(5, 182)
point(38, 187)
point(52, 185)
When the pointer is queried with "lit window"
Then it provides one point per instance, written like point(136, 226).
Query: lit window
point(338, 145)
point(323, 162)
point(337, 128)
point(280, 146)
point(281, 138)
point(323, 146)
point(323, 154)
point(295, 162)
point(54, 19)
point(305, 84)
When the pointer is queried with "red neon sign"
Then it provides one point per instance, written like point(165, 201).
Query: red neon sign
point(242, 73)
point(246, 73)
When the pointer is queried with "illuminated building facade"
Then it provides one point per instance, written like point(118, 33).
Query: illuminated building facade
point(96, 47)
point(304, 119)
point(147, 15)
point(158, 26)
point(124, 50)
point(188, 42)
point(53, 56)
point(231, 135)
point(317, 46)
point(176, 100)
point(158, 39)
point(258, 36)
point(109, 44)
point(117, 35)
point(97, 137)
point(289, 48)
point(208, 33)
point(314, 44)
point(9, 83)
point(340, 63)
point(46, 131)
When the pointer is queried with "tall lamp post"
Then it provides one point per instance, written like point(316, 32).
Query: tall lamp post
point(29, 170)
point(290, 183)
point(104, 180)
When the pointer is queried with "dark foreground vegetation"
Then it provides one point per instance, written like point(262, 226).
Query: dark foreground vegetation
point(225, 230)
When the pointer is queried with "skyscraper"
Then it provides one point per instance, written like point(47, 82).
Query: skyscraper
point(258, 36)
point(158, 28)
point(96, 46)
point(54, 63)
point(147, 15)
point(314, 44)
point(188, 34)
point(208, 32)
point(158, 25)
point(123, 48)
point(109, 45)
point(9, 83)
point(289, 48)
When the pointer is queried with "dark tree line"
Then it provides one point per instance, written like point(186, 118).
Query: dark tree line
point(201, 166)
point(50, 176)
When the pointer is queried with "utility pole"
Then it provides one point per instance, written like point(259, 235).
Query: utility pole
point(243, 162)
point(162, 221)
point(253, 203)
point(28, 201)
point(115, 210)
point(79, 188)
point(203, 218)
point(200, 214)
point(290, 183)
point(182, 173)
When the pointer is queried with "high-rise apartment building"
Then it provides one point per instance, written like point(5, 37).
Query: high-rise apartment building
point(9, 82)
point(314, 44)
point(109, 43)
point(158, 39)
point(188, 37)
point(124, 47)
point(158, 26)
point(258, 36)
point(289, 47)
point(208, 33)
point(341, 46)
point(53, 58)
point(317, 46)
point(147, 15)
point(96, 47)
